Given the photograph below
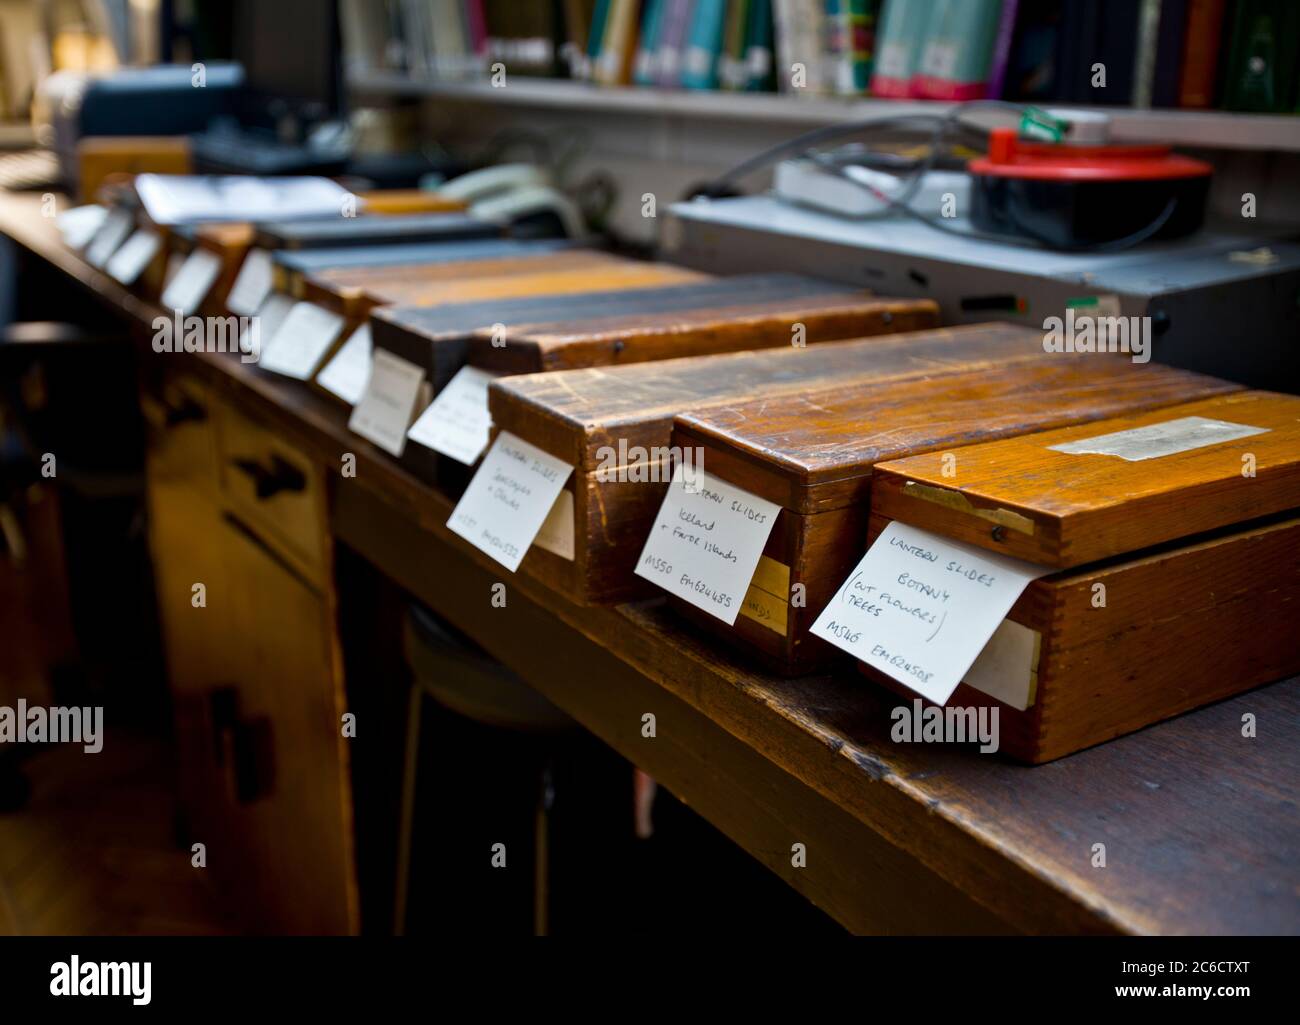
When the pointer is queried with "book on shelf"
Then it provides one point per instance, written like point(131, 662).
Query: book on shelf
point(1161, 54)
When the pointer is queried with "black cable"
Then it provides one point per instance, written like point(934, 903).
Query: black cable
point(952, 121)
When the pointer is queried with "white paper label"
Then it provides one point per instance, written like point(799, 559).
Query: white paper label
point(302, 341)
point(111, 234)
point(384, 412)
point(556, 531)
point(509, 498)
point(457, 423)
point(921, 608)
point(193, 281)
point(1156, 440)
point(348, 372)
point(79, 225)
point(175, 261)
point(265, 323)
point(252, 284)
point(706, 542)
point(128, 262)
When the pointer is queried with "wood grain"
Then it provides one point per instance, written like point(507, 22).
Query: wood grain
point(813, 454)
point(1079, 508)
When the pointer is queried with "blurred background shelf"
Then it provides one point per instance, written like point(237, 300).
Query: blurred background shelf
point(1198, 128)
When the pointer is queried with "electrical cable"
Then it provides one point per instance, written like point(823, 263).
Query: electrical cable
point(954, 120)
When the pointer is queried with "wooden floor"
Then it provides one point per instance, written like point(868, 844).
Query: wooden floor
point(93, 851)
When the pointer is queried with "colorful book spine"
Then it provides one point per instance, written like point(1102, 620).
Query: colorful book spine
point(1262, 63)
point(672, 41)
point(958, 52)
point(732, 73)
point(898, 47)
point(1204, 40)
point(647, 56)
point(704, 44)
point(759, 59)
point(614, 65)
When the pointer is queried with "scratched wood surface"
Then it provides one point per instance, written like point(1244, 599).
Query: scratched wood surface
point(1201, 830)
point(814, 453)
point(1067, 509)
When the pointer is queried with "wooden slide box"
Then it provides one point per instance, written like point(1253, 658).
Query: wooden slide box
point(291, 268)
point(354, 292)
point(436, 333)
point(761, 314)
point(1200, 567)
point(372, 230)
point(814, 454)
point(582, 416)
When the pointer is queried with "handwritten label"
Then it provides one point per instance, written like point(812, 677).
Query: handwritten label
point(706, 542)
point(302, 341)
point(1156, 440)
point(111, 234)
point(128, 262)
point(384, 412)
point(193, 281)
point(920, 608)
point(347, 373)
point(457, 423)
point(509, 498)
point(252, 284)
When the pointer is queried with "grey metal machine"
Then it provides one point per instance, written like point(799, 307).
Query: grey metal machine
point(1223, 304)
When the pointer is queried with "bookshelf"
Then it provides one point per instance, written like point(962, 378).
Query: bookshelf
point(1202, 129)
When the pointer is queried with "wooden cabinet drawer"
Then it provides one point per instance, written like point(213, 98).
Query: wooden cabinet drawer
point(178, 416)
point(275, 490)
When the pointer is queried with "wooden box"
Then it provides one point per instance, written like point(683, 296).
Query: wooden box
point(586, 416)
point(1178, 576)
point(638, 324)
point(760, 311)
point(371, 230)
point(354, 291)
point(436, 333)
point(291, 268)
point(813, 455)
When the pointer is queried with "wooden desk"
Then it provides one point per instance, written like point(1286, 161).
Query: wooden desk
point(1200, 824)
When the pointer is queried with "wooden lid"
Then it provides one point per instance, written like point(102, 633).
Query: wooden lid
point(575, 414)
point(371, 229)
point(816, 451)
point(636, 338)
point(1061, 498)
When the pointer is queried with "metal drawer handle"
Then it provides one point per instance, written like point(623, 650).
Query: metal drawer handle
point(268, 482)
point(188, 411)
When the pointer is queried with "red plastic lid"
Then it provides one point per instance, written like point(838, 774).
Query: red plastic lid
point(1011, 157)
